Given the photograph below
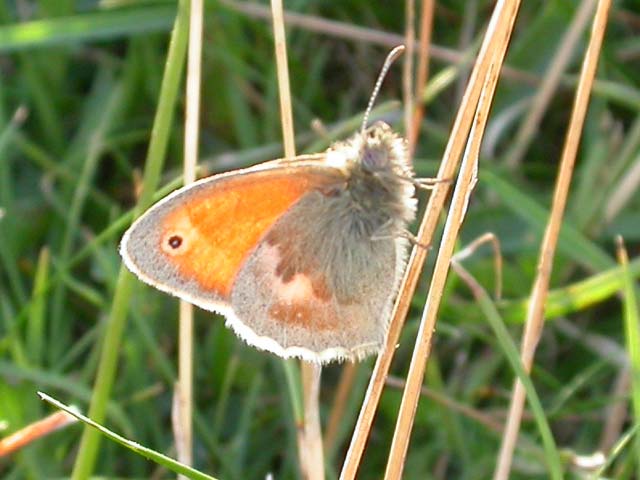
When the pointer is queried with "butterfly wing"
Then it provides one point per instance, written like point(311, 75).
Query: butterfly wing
point(269, 248)
point(314, 289)
point(192, 243)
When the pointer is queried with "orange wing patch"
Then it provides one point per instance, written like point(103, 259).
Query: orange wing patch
point(209, 237)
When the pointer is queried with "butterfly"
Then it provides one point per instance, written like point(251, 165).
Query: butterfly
point(303, 256)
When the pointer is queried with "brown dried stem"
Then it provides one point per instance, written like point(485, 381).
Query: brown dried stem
point(336, 417)
point(483, 419)
point(535, 314)
point(34, 431)
point(494, 46)
point(183, 402)
point(424, 50)
point(363, 34)
point(284, 90)
point(311, 448)
point(407, 71)
point(310, 441)
point(470, 249)
point(550, 83)
point(466, 181)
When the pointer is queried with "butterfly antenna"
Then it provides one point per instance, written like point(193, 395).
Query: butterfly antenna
point(393, 54)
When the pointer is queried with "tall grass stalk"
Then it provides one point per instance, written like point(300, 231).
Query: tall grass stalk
point(501, 25)
point(539, 292)
point(310, 451)
point(183, 421)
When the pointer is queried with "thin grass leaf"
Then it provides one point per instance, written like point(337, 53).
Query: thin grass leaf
point(148, 453)
point(617, 449)
point(36, 327)
point(632, 337)
point(7, 198)
point(101, 114)
point(510, 351)
point(294, 384)
point(571, 243)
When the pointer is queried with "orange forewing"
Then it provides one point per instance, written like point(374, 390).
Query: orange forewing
point(222, 223)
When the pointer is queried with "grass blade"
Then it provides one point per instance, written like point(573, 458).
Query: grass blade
point(117, 319)
point(632, 335)
point(510, 351)
point(83, 28)
point(152, 455)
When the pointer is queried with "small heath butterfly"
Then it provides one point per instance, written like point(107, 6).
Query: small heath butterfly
point(303, 256)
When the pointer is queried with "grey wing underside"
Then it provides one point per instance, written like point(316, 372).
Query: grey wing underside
point(311, 290)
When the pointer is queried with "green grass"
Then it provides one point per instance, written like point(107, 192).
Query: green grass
point(105, 104)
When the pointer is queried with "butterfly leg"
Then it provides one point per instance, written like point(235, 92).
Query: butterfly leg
point(425, 183)
point(428, 183)
point(414, 240)
point(382, 235)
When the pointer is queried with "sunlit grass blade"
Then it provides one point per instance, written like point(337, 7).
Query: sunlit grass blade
point(577, 296)
point(618, 448)
point(98, 25)
point(632, 336)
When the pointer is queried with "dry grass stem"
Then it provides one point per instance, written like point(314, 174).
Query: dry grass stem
point(310, 442)
point(376, 37)
point(31, 433)
point(424, 50)
point(183, 422)
point(467, 31)
point(337, 415)
point(182, 407)
point(501, 26)
point(627, 187)
point(482, 418)
point(407, 70)
point(535, 313)
point(312, 454)
point(598, 344)
point(550, 83)
point(340, 29)
point(465, 183)
point(284, 90)
point(470, 249)
point(615, 415)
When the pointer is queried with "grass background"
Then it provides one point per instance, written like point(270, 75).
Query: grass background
point(88, 74)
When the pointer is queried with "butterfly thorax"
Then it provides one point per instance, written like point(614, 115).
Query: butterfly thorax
point(378, 193)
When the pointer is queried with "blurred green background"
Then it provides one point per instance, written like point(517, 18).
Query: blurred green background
point(79, 88)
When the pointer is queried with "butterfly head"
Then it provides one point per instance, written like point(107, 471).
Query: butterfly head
point(376, 164)
point(382, 151)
